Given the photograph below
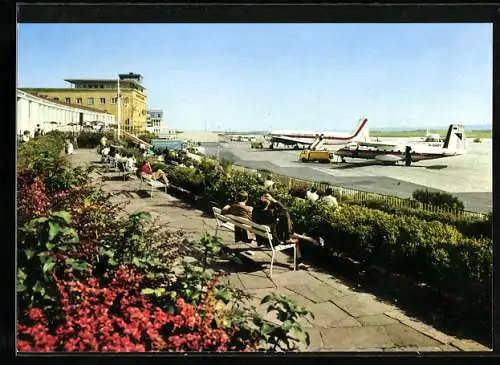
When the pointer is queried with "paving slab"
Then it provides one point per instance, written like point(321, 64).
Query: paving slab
point(328, 315)
point(404, 336)
point(256, 280)
point(376, 320)
point(361, 304)
point(350, 338)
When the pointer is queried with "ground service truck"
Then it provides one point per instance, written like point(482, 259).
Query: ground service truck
point(312, 155)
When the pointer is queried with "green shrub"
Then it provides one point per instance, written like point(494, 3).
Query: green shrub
point(88, 139)
point(477, 140)
point(438, 198)
point(434, 247)
point(469, 225)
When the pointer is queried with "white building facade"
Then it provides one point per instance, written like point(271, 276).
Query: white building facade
point(154, 121)
point(32, 110)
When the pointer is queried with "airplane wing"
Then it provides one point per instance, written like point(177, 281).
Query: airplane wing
point(289, 140)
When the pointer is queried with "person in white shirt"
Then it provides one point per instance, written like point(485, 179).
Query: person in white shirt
point(329, 198)
point(269, 183)
point(130, 163)
point(70, 148)
point(312, 195)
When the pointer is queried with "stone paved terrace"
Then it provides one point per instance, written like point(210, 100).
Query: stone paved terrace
point(345, 319)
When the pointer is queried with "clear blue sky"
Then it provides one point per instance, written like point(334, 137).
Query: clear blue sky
point(278, 76)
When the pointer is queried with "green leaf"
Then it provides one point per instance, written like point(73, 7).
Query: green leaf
point(266, 299)
point(53, 230)
point(37, 288)
point(49, 265)
point(20, 287)
point(147, 291)
point(159, 292)
point(65, 216)
point(29, 253)
point(137, 262)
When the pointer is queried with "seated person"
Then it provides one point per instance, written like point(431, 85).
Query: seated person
point(146, 171)
point(105, 153)
point(312, 194)
point(130, 163)
point(240, 209)
point(269, 183)
point(283, 225)
point(329, 198)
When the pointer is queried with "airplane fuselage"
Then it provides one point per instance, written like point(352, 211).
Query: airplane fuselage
point(387, 154)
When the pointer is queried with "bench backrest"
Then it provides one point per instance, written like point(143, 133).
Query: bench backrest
point(246, 224)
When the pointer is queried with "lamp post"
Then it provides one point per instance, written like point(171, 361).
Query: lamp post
point(218, 145)
point(119, 108)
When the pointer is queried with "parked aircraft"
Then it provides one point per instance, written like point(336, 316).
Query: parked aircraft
point(296, 138)
point(454, 144)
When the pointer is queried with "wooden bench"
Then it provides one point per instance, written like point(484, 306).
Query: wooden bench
point(229, 222)
point(153, 183)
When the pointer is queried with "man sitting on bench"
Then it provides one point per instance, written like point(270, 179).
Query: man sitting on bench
point(240, 209)
point(274, 214)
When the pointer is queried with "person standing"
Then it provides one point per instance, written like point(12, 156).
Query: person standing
point(408, 156)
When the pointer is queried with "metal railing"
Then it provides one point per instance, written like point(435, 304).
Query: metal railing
point(360, 195)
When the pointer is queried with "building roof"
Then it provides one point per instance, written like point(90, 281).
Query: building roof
point(78, 106)
point(132, 81)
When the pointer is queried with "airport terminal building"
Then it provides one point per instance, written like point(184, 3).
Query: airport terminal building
point(33, 110)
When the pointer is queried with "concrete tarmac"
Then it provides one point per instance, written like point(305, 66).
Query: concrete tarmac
point(469, 176)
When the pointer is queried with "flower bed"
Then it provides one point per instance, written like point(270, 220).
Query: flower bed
point(91, 279)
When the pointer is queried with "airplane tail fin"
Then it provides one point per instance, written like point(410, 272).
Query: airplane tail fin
point(455, 138)
point(361, 132)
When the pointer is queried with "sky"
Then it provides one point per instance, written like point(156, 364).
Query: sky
point(247, 77)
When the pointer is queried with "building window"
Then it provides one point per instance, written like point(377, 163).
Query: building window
point(91, 101)
point(114, 100)
point(79, 101)
point(127, 121)
point(101, 86)
point(102, 100)
point(68, 100)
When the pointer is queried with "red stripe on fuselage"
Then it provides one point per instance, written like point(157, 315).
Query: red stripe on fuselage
point(308, 135)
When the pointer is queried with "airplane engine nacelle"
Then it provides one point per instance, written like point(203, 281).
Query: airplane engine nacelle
point(387, 158)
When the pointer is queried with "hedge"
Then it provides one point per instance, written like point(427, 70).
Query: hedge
point(449, 253)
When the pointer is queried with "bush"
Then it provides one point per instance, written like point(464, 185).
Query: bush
point(438, 198)
point(92, 279)
point(469, 225)
point(477, 140)
point(88, 139)
point(407, 240)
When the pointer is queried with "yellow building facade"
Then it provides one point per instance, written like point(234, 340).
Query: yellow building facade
point(102, 94)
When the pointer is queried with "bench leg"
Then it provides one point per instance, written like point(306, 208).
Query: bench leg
point(294, 258)
point(272, 261)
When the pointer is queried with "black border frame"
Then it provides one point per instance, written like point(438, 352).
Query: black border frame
point(49, 12)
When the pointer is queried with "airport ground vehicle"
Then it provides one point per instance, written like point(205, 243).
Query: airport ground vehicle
point(312, 155)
